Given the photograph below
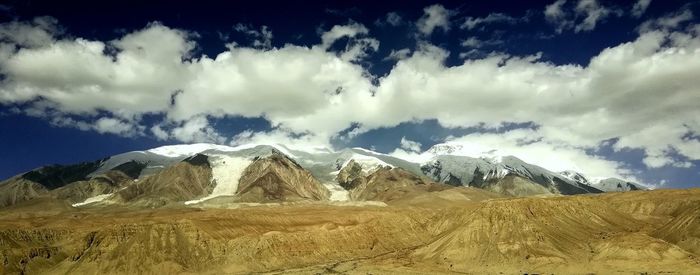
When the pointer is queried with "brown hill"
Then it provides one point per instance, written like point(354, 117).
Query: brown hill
point(17, 189)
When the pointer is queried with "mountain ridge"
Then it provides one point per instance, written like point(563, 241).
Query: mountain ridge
point(501, 174)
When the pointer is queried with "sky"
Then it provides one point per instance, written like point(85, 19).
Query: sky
point(606, 88)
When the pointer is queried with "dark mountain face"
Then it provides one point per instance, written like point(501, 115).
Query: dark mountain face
point(55, 176)
point(198, 160)
point(132, 168)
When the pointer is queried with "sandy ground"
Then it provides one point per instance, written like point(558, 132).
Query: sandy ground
point(453, 232)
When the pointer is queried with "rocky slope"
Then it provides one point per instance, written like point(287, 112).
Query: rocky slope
point(183, 181)
point(387, 184)
point(278, 178)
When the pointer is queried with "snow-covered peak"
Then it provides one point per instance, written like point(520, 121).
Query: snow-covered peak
point(189, 149)
point(575, 176)
point(446, 149)
point(615, 184)
point(368, 163)
point(278, 147)
point(463, 149)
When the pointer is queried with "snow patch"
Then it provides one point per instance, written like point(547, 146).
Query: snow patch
point(338, 193)
point(188, 149)
point(91, 200)
point(226, 172)
point(368, 163)
point(279, 147)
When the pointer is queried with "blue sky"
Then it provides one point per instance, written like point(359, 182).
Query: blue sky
point(608, 88)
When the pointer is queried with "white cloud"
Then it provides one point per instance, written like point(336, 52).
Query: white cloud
point(473, 42)
point(670, 21)
point(435, 16)
point(307, 142)
point(644, 92)
point(554, 13)
point(594, 12)
point(398, 54)
point(339, 31)
point(261, 38)
point(357, 48)
point(38, 32)
point(392, 19)
point(103, 125)
point(473, 22)
point(113, 126)
point(585, 16)
point(640, 7)
point(159, 133)
point(78, 77)
point(197, 130)
point(409, 145)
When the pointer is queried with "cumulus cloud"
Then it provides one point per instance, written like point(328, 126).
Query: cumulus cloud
point(305, 142)
point(103, 125)
point(584, 16)
point(76, 75)
point(640, 7)
point(435, 16)
point(357, 48)
point(593, 11)
point(667, 22)
point(554, 13)
point(410, 145)
point(261, 38)
point(473, 42)
point(642, 93)
point(397, 55)
point(38, 32)
point(471, 23)
point(197, 130)
point(339, 31)
point(391, 19)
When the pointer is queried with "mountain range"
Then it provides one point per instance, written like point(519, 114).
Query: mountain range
point(258, 173)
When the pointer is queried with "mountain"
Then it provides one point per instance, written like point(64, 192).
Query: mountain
point(483, 172)
point(278, 178)
point(256, 173)
point(616, 185)
point(385, 183)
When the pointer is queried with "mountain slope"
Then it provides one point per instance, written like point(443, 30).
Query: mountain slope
point(18, 189)
point(480, 172)
point(388, 184)
point(617, 185)
point(278, 178)
point(180, 182)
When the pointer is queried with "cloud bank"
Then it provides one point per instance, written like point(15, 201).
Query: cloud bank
point(642, 94)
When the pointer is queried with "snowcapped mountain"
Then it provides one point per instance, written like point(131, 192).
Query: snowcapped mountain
point(223, 171)
point(616, 185)
point(459, 164)
point(575, 176)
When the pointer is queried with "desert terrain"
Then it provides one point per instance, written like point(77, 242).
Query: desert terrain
point(454, 231)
